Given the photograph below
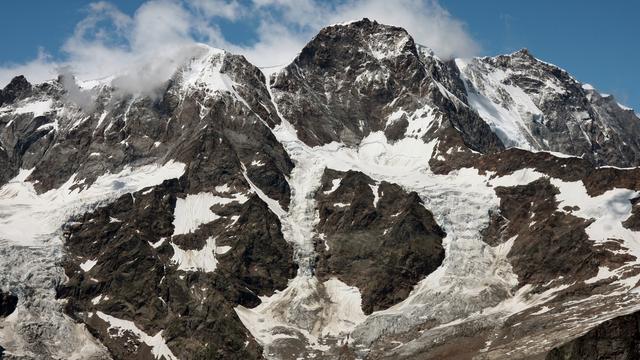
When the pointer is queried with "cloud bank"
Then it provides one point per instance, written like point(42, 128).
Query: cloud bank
point(142, 50)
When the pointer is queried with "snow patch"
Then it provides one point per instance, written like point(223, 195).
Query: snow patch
point(198, 260)
point(88, 265)
point(345, 308)
point(158, 243)
point(335, 183)
point(195, 210)
point(222, 188)
point(625, 108)
point(376, 197)
point(120, 328)
point(603, 273)
point(37, 108)
point(32, 219)
point(273, 205)
point(542, 310)
point(96, 300)
point(608, 211)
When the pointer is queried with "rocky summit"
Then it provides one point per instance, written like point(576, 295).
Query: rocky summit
point(369, 200)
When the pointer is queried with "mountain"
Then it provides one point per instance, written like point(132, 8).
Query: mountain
point(367, 201)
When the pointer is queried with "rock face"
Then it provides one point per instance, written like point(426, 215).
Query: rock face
point(124, 265)
point(369, 200)
point(228, 154)
point(375, 237)
point(538, 106)
point(548, 242)
point(614, 339)
point(364, 77)
point(18, 88)
point(8, 303)
point(124, 130)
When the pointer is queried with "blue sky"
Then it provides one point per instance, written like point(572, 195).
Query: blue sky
point(597, 42)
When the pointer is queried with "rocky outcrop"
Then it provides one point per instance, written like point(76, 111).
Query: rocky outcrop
point(26, 134)
point(221, 133)
point(355, 79)
point(548, 243)
point(18, 88)
point(618, 338)
point(125, 266)
point(537, 106)
point(8, 302)
point(197, 274)
point(375, 236)
point(62, 140)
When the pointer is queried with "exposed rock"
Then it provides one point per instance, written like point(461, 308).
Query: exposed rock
point(633, 222)
point(8, 302)
point(133, 275)
point(376, 237)
point(536, 105)
point(222, 135)
point(547, 243)
point(18, 88)
point(184, 125)
point(618, 338)
point(351, 79)
point(202, 261)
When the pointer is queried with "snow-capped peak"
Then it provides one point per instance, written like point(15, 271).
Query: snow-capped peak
point(203, 69)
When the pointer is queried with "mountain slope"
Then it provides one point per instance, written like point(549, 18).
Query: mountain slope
point(369, 200)
point(80, 160)
point(537, 106)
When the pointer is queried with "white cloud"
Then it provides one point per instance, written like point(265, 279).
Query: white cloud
point(142, 50)
point(37, 70)
point(277, 45)
point(428, 23)
point(231, 10)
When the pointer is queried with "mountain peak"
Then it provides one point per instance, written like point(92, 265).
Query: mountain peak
point(17, 88)
point(364, 23)
point(354, 39)
point(17, 83)
point(523, 53)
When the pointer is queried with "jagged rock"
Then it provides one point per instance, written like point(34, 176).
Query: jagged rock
point(618, 338)
point(350, 80)
point(222, 136)
point(376, 237)
point(536, 105)
point(134, 275)
point(18, 88)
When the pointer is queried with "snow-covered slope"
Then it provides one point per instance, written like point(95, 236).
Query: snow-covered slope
point(537, 106)
point(368, 200)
